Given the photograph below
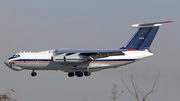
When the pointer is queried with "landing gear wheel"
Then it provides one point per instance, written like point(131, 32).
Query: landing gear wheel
point(71, 74)
point(33, 73)
point(87, 73)
point(79, 74)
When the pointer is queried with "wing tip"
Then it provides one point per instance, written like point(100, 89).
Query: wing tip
point(169, 21)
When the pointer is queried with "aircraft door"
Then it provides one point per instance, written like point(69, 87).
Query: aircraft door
point(35, 62)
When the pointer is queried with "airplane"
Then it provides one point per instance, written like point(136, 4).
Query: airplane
point(78, 62)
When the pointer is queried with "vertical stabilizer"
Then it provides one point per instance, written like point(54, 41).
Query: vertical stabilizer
point(143, 38)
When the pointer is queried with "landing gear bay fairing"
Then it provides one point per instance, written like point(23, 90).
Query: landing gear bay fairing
point(82, 62)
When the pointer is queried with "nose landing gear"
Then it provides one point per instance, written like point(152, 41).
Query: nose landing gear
point(33, 73)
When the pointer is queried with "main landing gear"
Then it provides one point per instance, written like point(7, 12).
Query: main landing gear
point(33, 73)
point(79, 74)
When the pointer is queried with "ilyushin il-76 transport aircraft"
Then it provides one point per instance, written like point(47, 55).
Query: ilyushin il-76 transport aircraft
point(83, 62)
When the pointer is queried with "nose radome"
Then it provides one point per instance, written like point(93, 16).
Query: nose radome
point(6, 62)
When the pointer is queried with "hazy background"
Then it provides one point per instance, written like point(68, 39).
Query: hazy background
point(37, 25)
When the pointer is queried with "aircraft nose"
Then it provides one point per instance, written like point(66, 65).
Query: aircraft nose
point(6, 62)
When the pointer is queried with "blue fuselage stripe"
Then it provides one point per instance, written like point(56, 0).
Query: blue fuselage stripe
point(32, 60)
point(103, 60)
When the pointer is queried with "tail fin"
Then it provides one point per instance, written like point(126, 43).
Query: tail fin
point(143, 38)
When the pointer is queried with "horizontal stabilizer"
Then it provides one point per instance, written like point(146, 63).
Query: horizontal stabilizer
point(149, 24)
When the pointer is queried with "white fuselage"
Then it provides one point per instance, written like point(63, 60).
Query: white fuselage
point(42, 61)
point(83, 62)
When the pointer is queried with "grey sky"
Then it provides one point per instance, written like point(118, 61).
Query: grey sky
point(37, 25)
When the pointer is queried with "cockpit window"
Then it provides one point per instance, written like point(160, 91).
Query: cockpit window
point(14, 56)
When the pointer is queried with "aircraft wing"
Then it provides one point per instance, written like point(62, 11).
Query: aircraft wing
point(90, 53)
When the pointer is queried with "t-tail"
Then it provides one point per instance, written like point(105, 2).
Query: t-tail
point(143, 38)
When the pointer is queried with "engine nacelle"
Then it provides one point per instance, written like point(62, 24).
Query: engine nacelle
point(74, 58)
